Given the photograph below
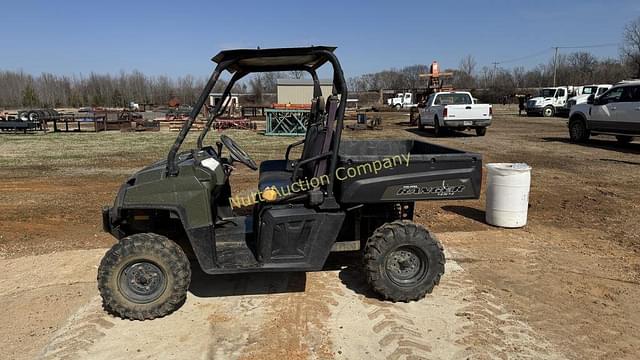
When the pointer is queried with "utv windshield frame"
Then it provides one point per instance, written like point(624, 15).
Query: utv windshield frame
point(242, 62)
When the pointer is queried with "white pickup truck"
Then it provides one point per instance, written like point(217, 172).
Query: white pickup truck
point(402, 100)
point(454, 109)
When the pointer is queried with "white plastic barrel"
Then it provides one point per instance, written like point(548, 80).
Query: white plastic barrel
point(507, 194)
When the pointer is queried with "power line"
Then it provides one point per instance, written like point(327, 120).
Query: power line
point(555, 56)
point(536, 54)
point(553, 48)
point(588, 46)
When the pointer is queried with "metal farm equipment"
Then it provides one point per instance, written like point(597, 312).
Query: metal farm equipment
point(285, 122)
point(28, 120)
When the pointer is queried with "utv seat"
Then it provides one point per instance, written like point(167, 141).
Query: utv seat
point(315, 116)
point(277, 172)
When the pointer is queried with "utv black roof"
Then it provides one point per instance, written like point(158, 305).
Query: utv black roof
point(260, 60)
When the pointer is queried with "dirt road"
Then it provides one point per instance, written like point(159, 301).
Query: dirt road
point(565, 286)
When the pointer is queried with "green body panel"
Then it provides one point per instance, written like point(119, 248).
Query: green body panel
point(189, 191)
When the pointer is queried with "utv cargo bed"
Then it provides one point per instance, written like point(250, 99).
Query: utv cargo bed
point(378, 171)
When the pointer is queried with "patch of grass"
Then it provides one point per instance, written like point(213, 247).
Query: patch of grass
point(119, 154)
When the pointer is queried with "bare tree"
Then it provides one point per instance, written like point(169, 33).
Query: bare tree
point(464, 75)
point(297, 74)
point(467, 65)
point(257, 87)
point(582, 65)
point(630, 49)
point(518, 74)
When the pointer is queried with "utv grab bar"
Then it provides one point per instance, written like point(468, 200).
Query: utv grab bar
point(291, 146)
point(294, 177)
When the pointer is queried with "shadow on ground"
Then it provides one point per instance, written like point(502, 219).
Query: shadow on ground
point(262, 283)
point(352, 277)
point(204, 285)
point(468, 212)
point(613, 145)
point(428, 132)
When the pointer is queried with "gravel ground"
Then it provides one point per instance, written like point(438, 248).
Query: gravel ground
point(564, 286)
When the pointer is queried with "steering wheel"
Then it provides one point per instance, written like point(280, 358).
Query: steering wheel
point(237, 153)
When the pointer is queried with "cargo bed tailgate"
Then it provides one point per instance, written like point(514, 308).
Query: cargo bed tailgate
point(468, 112)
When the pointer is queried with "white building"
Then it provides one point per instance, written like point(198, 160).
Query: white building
point(300, 91)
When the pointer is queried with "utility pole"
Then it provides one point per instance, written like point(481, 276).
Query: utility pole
point(495, 71)
point(555, 65)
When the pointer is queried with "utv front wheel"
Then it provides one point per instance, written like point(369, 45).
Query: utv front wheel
point(403, 261)
point(144, 276)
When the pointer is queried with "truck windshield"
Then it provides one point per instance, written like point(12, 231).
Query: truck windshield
point(453, 99)
point(548, 92)
point(588, 90)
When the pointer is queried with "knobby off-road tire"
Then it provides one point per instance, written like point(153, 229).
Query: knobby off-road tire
point(481, 131)
point(403, 261)
point(578, 131)
point(144, 276)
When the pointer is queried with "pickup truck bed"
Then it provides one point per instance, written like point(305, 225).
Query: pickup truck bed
point(433, 172)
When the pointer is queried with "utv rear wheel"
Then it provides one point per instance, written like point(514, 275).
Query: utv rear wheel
point(144, 276)
point(481, 131)
point(403, 261)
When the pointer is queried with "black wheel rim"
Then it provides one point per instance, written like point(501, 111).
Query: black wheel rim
point(142, 282)
point(406, 265)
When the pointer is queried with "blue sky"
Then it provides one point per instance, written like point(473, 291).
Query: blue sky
point(178, 38)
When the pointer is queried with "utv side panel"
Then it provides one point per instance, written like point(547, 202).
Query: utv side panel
point(433, 172)
point(298, 237)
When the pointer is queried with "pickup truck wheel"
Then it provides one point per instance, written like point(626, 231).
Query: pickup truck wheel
point(420, 124)
point(481, 131)
point(623, 139)
point(397, 106)
point(144, 276)
point(437, 131)
point(548, 111)
point(578, 131)
point(403, 261)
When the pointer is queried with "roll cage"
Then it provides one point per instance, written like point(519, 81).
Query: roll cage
point(242, 62)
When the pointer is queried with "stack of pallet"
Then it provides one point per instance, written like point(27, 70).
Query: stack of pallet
point(291, 106)
point(176, 124)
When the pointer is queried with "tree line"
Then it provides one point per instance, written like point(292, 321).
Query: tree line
point(20, 89)
point(49, 90)
point(576, 68)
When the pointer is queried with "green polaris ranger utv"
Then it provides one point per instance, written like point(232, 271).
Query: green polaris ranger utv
point(353, 196)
